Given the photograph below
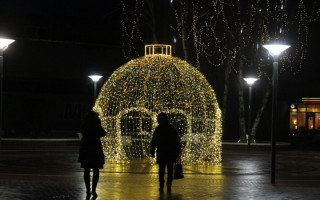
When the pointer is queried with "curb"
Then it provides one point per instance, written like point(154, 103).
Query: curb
point(40, 141)
point(263, 146)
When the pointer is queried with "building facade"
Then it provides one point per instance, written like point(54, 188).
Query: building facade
point(305, 117)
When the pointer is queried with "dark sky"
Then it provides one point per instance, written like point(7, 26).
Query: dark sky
point(70, 31)
point(68, 20)
point(59, 43)
point(66, 40)
point(307, 82)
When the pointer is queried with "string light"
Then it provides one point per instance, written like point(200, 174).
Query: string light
point(133, 96)
point(223, 34)
point(256, 22)
point(130, 28)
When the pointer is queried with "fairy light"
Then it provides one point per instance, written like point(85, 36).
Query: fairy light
point(130, 28)
point(262, 18)
point(219, 34)
point(128, 105)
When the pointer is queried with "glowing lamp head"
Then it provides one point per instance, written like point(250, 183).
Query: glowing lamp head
point(95, 78)
point(250, 81)
point(276, 49)
point(4, 43)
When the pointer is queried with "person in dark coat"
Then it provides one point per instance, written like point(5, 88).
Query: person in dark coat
point(91, 153)
point(167, 142)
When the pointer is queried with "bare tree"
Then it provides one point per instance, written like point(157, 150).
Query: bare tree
point(229, 34)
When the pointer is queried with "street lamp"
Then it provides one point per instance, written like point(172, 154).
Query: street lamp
point(4, 44)
point(95, 79)
point(250, 82)
point(274, 50)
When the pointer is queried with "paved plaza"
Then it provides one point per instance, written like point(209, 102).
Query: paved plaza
point(52, 172)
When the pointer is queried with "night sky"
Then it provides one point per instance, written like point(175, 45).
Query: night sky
point(59, 43)
point(68, 40)
point(60, 40)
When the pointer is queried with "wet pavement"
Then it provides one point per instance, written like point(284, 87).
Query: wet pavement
point(52, 172)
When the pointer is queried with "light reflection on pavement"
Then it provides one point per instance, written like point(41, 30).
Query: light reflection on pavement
point(53, 173)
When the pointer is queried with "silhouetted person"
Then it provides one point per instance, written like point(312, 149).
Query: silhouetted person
point(167, 142)
point(91, 153)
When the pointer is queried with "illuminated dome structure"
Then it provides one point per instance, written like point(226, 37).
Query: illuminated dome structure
point(133, 96)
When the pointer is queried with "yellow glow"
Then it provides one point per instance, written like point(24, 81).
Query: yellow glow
point(145, 175)
point(128, 105)
point(310, 99)
point(157, 49)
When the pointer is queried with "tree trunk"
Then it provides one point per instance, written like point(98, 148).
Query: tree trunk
point(183, 6)
point(261, 109)
point(225, 94)
point(242, 124)
point(196, 39)
point(153, 18)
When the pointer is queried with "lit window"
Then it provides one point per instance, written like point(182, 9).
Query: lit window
point(293, 119)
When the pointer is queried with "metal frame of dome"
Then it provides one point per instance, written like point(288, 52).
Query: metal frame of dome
point(138, 91)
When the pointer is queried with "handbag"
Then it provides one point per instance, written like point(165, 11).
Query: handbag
point(178, 171)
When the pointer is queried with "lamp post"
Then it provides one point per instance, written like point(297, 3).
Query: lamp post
point(274, 50)
point(250, 82)
point(4, 44)
point(95, 79)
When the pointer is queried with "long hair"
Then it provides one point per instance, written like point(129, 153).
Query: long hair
point(91, 123)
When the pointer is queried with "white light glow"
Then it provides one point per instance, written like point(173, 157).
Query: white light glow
point(4, 43)
point(276, 49)
point(95, 78)
point(250, 81)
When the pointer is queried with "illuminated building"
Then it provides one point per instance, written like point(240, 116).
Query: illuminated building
point(305, 116)
point(138, 91)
